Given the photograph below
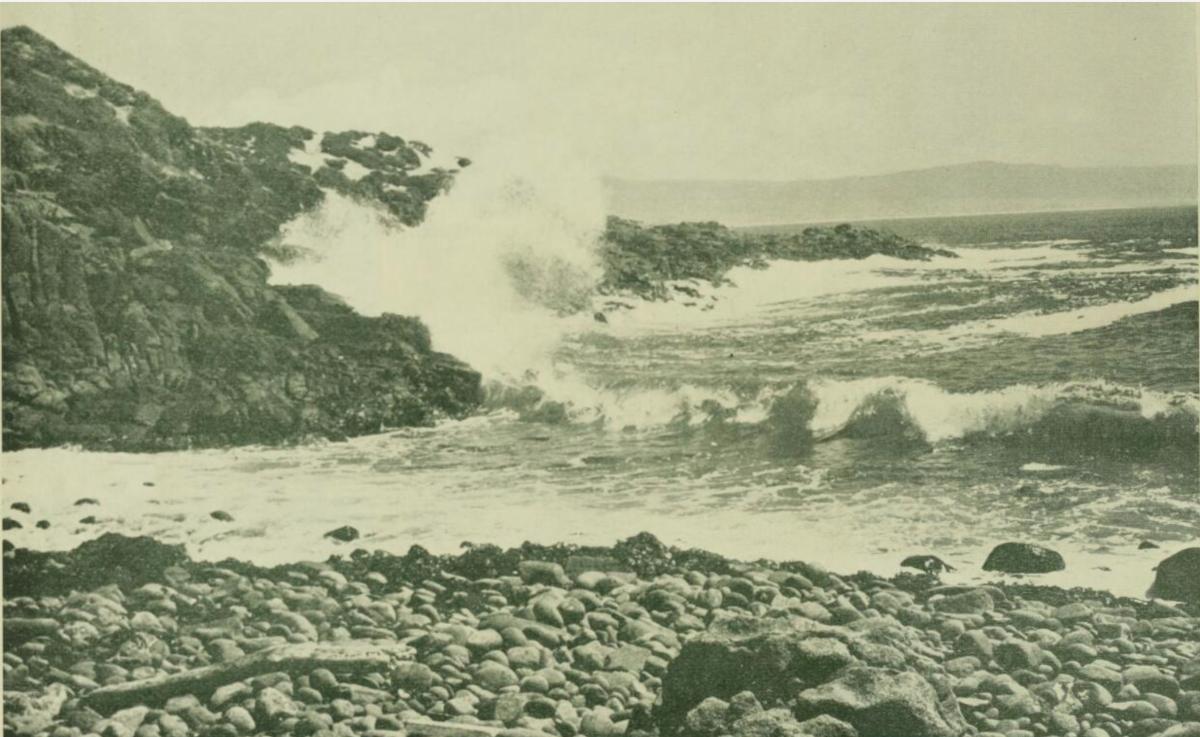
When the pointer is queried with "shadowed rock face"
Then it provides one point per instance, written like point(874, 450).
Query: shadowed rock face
point(1023, 558)
point(1178, 577)
point(136, 309)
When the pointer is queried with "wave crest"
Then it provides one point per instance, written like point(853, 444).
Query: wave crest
point(1076, 417)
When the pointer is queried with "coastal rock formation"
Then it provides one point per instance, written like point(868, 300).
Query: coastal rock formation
point(662, 262)
point(136, 311)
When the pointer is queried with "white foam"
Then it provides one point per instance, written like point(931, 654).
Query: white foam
point(438, 505)
point(353, 170)
point(1090, 318)
point(487, 270)
point(751, 290)
point(1041, 468)
point(941, 415)
point(310, 155)
point(121, 111)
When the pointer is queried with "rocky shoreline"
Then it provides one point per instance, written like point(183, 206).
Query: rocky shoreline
point(128, 637)
point(138, 312)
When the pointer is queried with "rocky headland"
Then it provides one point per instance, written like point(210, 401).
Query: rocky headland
point(137, 314)
point(129, 637)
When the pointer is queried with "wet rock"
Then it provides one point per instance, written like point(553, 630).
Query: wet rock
point(1018, 655)
point(927, 563)
point(20, 507)
point(31, 715)
point(708, 718)
point(1149, 679)
point(483, 641)
point(221, 516)
point(494, 676)
point(1147, 545)
point(272, 707)
point(11, 524)
point(1178, 577)
point(974, 644)
point(85, 501)
point(768, 723)
point(827, 726)
point(1023, 558)
point(343, 534)
point(743, 654)
point(880, 703)
point(545, 573)
point(627, 657)
point(976, 601)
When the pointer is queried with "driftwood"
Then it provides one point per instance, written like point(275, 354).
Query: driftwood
point(355, 656)
point(424, 728)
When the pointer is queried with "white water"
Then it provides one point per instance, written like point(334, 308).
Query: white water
point(487, 271)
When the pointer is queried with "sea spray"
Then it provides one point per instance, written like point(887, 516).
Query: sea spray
point(495, 271)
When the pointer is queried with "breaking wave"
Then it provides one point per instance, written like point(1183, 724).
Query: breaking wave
point(1068, 417)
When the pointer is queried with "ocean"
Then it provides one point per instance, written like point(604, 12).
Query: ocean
point(1042, 387)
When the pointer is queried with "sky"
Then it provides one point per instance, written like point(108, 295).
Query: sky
point(650, 91)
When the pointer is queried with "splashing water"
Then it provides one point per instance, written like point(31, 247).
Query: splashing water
point(497, 263)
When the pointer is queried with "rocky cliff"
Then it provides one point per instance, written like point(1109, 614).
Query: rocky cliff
point(137, 313)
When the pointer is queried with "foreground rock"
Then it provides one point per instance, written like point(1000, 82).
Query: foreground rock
point(127, 637)
point(879, 703)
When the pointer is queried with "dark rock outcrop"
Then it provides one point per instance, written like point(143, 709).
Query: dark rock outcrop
point(1178, 577)
point(1023, 558)
point(108, 559)
point(137, 314)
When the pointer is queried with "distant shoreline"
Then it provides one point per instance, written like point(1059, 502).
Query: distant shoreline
point(771, 227)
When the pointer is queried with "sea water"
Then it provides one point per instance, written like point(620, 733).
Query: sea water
point(1041, 387)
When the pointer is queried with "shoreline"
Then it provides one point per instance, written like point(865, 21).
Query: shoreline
point(129, 637)
point(274, 527)
point(1037, 585)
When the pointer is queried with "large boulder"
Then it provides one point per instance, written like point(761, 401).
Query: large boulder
point(771, 659)
point(883, 703)
point(1023, 558)
point(1178, 577)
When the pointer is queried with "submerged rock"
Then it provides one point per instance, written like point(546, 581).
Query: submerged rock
point(928, 563)
point(343, 534)
point(1023, 558)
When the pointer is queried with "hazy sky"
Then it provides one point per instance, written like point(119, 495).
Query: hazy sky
point(669, 91)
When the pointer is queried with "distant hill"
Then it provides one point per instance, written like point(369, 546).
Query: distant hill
point(967, 189)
